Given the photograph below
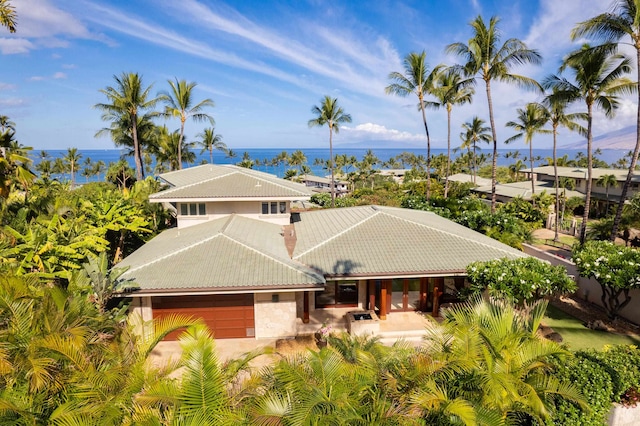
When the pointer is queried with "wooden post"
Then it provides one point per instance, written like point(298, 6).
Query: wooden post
point(305, 304)
point(383, 301)
point(372, 295)
point(436, 301)
point(423, 293)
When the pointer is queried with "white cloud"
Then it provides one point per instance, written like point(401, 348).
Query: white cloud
point(7, 86)
point(371, 131)
point(10, 46)
point(69, 66)
point(59, 76)
point(37, 78)
point(13, 102)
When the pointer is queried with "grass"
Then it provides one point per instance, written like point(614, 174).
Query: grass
point(576, 336)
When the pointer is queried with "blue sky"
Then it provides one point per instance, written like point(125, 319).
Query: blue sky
point(265, 64)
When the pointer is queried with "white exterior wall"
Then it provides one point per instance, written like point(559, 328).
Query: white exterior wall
point(251, 209)
point(275, 319)
point(141, 308)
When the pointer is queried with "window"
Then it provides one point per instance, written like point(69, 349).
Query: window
point(337, 294)
point(274, 207)
point(192, 209)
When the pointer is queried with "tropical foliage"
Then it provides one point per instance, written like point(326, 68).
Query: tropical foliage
point(521, 280)
point(616, 268)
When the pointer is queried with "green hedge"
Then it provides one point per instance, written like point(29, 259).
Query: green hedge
point(602, 376)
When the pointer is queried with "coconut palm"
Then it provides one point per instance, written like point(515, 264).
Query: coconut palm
point(531, 120)
point(598, 81)
point(329, 113)
point(451, 89)
point(558, 117)
point(168, 144)
point(210, 141)
point(180, 103)
point(297, 159)
point(8, 16)
point(72, 160)
point(485, 58)
point(417, 79)
point(475, 131)
point(622, 22)
point(128, 101)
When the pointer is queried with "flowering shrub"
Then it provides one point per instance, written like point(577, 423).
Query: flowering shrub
point(521, 280)
point(630, 398)
point(616, 268)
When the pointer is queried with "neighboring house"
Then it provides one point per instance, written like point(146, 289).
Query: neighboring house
point(579, 175)
point(505, 192)
point(467, 178)
point(248, 275)
point(322, 184)
point(396, 174)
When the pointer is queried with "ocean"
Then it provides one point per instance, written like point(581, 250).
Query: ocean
point(384, 154)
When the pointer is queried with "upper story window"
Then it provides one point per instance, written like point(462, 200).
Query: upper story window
point(274, 207)
point(192, 209)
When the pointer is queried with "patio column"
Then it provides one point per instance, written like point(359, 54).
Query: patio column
point(383, 300)
point(305, 308)
point(424, 288)
point(372, 295)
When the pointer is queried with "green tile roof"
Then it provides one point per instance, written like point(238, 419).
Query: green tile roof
point(375, 240)
point(210, 182)
point(233, 253)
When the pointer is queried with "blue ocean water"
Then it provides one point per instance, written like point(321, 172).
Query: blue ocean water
point(384, 154)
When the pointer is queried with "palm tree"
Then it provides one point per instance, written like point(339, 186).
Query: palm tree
point(419, 80)
point(210, 141)
point(8, 16)
point(558, 117)
point(607, 181)
point(621, 22)
point(531, 120)
point(180, 103)
point(167, 147)
point(72, 160)
point(475, 131)
point(329, 113)
point(128, 101)
point(451, 89)
point(598, 82)
point(489, 61)
point(297, 159)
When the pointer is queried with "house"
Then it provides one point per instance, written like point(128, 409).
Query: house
point(238, 264)
point(599, 191)
point(505, 192)
point(396, 174)
point(323, 184)
point(467, 178)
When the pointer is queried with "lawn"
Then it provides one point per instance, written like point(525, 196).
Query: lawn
point(576, 336)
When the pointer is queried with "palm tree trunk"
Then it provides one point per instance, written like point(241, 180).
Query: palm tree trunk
point(587, 202)
point(211, 154)
point(533, 187)
point(136, 147)
point(555, 174)
point(331, 185)
point(494, 165)
point(446, 177)
point(632, 166)
point(180, 144)
point(426, 130)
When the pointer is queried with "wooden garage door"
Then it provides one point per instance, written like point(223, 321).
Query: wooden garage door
point(227, 315)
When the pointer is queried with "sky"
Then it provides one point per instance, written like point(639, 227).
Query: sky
point(266, 63)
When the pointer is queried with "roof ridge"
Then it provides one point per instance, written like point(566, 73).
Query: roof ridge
point(449, 233)
point(173, 253)
point(257, 176)
point(309, 271)
point(175, 188)
point(376, 212)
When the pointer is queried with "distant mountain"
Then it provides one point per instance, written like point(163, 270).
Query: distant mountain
point(624, 138)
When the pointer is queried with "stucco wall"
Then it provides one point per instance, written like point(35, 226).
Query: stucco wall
point(275, 319)
point(252, 209)
point(588, 288)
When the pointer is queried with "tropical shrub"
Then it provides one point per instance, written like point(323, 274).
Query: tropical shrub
point(616, 268)
point(524, 210)
point(595, 384)
point(622, 364)
point(520, 280)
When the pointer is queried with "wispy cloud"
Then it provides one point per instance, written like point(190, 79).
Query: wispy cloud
point(59, 76)
point(10, 46)
point(7, 86)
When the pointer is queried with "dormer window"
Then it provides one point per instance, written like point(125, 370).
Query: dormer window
point(192, 209)
point(274, 207)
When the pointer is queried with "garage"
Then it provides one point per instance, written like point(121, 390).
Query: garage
point(228, 316)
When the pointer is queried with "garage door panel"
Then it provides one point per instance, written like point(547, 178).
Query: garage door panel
point(228, 316)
